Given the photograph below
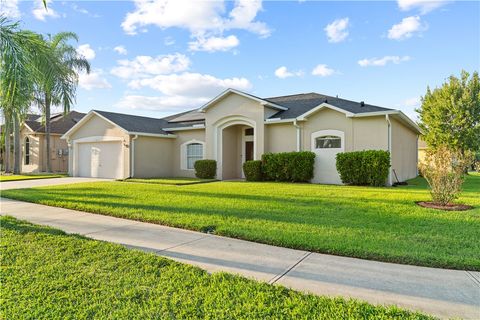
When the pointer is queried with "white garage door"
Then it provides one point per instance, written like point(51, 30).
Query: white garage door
point(100, 160)
point(326, 144)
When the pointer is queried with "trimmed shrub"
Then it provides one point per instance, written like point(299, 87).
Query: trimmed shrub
point(253, 170)
point(369, 167)
point(288, 166)
point(205, 169)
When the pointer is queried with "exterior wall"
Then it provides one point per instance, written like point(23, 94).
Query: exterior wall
point(404, 151)
point(369, 133)
point(153, 157)
point(232, 106)
point(35, 152)
point(182, 137)
point(97, 128)
point(281, 137)
point(327, 119)
point(58, 162)
point(231, 155)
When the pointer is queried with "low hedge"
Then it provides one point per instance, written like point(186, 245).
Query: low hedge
point(253, 170)
point(369, 167)
point(205, 169)
point(288, 166)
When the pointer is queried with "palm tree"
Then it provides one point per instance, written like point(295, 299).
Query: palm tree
point(22, 54)
point(59, 87)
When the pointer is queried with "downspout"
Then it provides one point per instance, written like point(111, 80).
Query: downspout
point(416, 156)
point(70, 157)
point(389, 148)
point(299, 137)
point(132, 156)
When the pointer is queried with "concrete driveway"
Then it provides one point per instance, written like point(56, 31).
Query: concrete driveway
point(440, 292)
point(21, 184)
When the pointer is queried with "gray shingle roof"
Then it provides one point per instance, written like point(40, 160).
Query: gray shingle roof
point(298, 104)
point(136, 123)
point(58, 124)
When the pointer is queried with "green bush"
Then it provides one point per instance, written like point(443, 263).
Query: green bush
point(253, 170)
point(205, 169)
point(288, 166)
point(369, 167)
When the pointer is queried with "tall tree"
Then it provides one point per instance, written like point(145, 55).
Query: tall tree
point(22, 55)
point(59, 87)
point(450, 115)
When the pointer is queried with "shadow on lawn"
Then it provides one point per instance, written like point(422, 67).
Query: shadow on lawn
point(318, 213)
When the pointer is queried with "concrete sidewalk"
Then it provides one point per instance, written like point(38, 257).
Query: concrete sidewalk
point(440, 292)
point(32, 183)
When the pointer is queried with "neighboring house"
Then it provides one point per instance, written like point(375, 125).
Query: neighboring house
point(422, 150)
point(33, 143)
point(235, 127)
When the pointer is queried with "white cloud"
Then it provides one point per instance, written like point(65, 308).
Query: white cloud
point(322, 70)
point(198, 17)
point(406, 28)
point(381, 62)
point(168, 41)
point(412, 102)
point(93, 80)
point(424, 6)
point(179, 91)
point(120, 50)
point(164, 103)
point(243, 15)
point(9, 9)
point(206, 20)
point(283, 73)
point(213, 44)
point(40, 13)
point(190, 84)
point(144, 66)
point(86, 51)
point(78, 9)
point(337, 30)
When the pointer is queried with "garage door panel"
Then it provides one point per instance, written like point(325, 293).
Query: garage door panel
point(100, 160)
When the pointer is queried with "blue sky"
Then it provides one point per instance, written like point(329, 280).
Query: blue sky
point(156, 58)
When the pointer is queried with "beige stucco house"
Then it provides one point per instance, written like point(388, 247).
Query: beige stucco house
point(235, 127)
point(33, 143)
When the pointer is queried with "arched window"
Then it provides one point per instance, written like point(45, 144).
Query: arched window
point(328, 142)
point(194, 153)
point(27, 151)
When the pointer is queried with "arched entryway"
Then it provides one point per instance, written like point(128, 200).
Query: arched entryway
point(236, 143)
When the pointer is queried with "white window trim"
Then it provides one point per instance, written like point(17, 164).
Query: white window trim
point(322, 133)
point(183, 153)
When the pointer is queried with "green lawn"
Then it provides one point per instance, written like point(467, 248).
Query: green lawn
point(47, 274)
point(372, 223)
point(170, 181)
point(17, 177)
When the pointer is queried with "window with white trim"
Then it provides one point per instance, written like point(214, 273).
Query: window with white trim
point(194, 153)
point(328, 142)
point(27, 151)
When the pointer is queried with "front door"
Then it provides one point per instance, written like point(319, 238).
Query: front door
point(248, 150)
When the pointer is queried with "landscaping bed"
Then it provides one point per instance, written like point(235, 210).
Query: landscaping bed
point(383, 224)
point(47, 274)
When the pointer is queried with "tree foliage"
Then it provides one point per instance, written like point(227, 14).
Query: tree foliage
point(450, 115)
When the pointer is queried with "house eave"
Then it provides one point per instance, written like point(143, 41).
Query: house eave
point(185, 128)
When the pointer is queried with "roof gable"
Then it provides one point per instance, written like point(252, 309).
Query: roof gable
point(243, 94)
